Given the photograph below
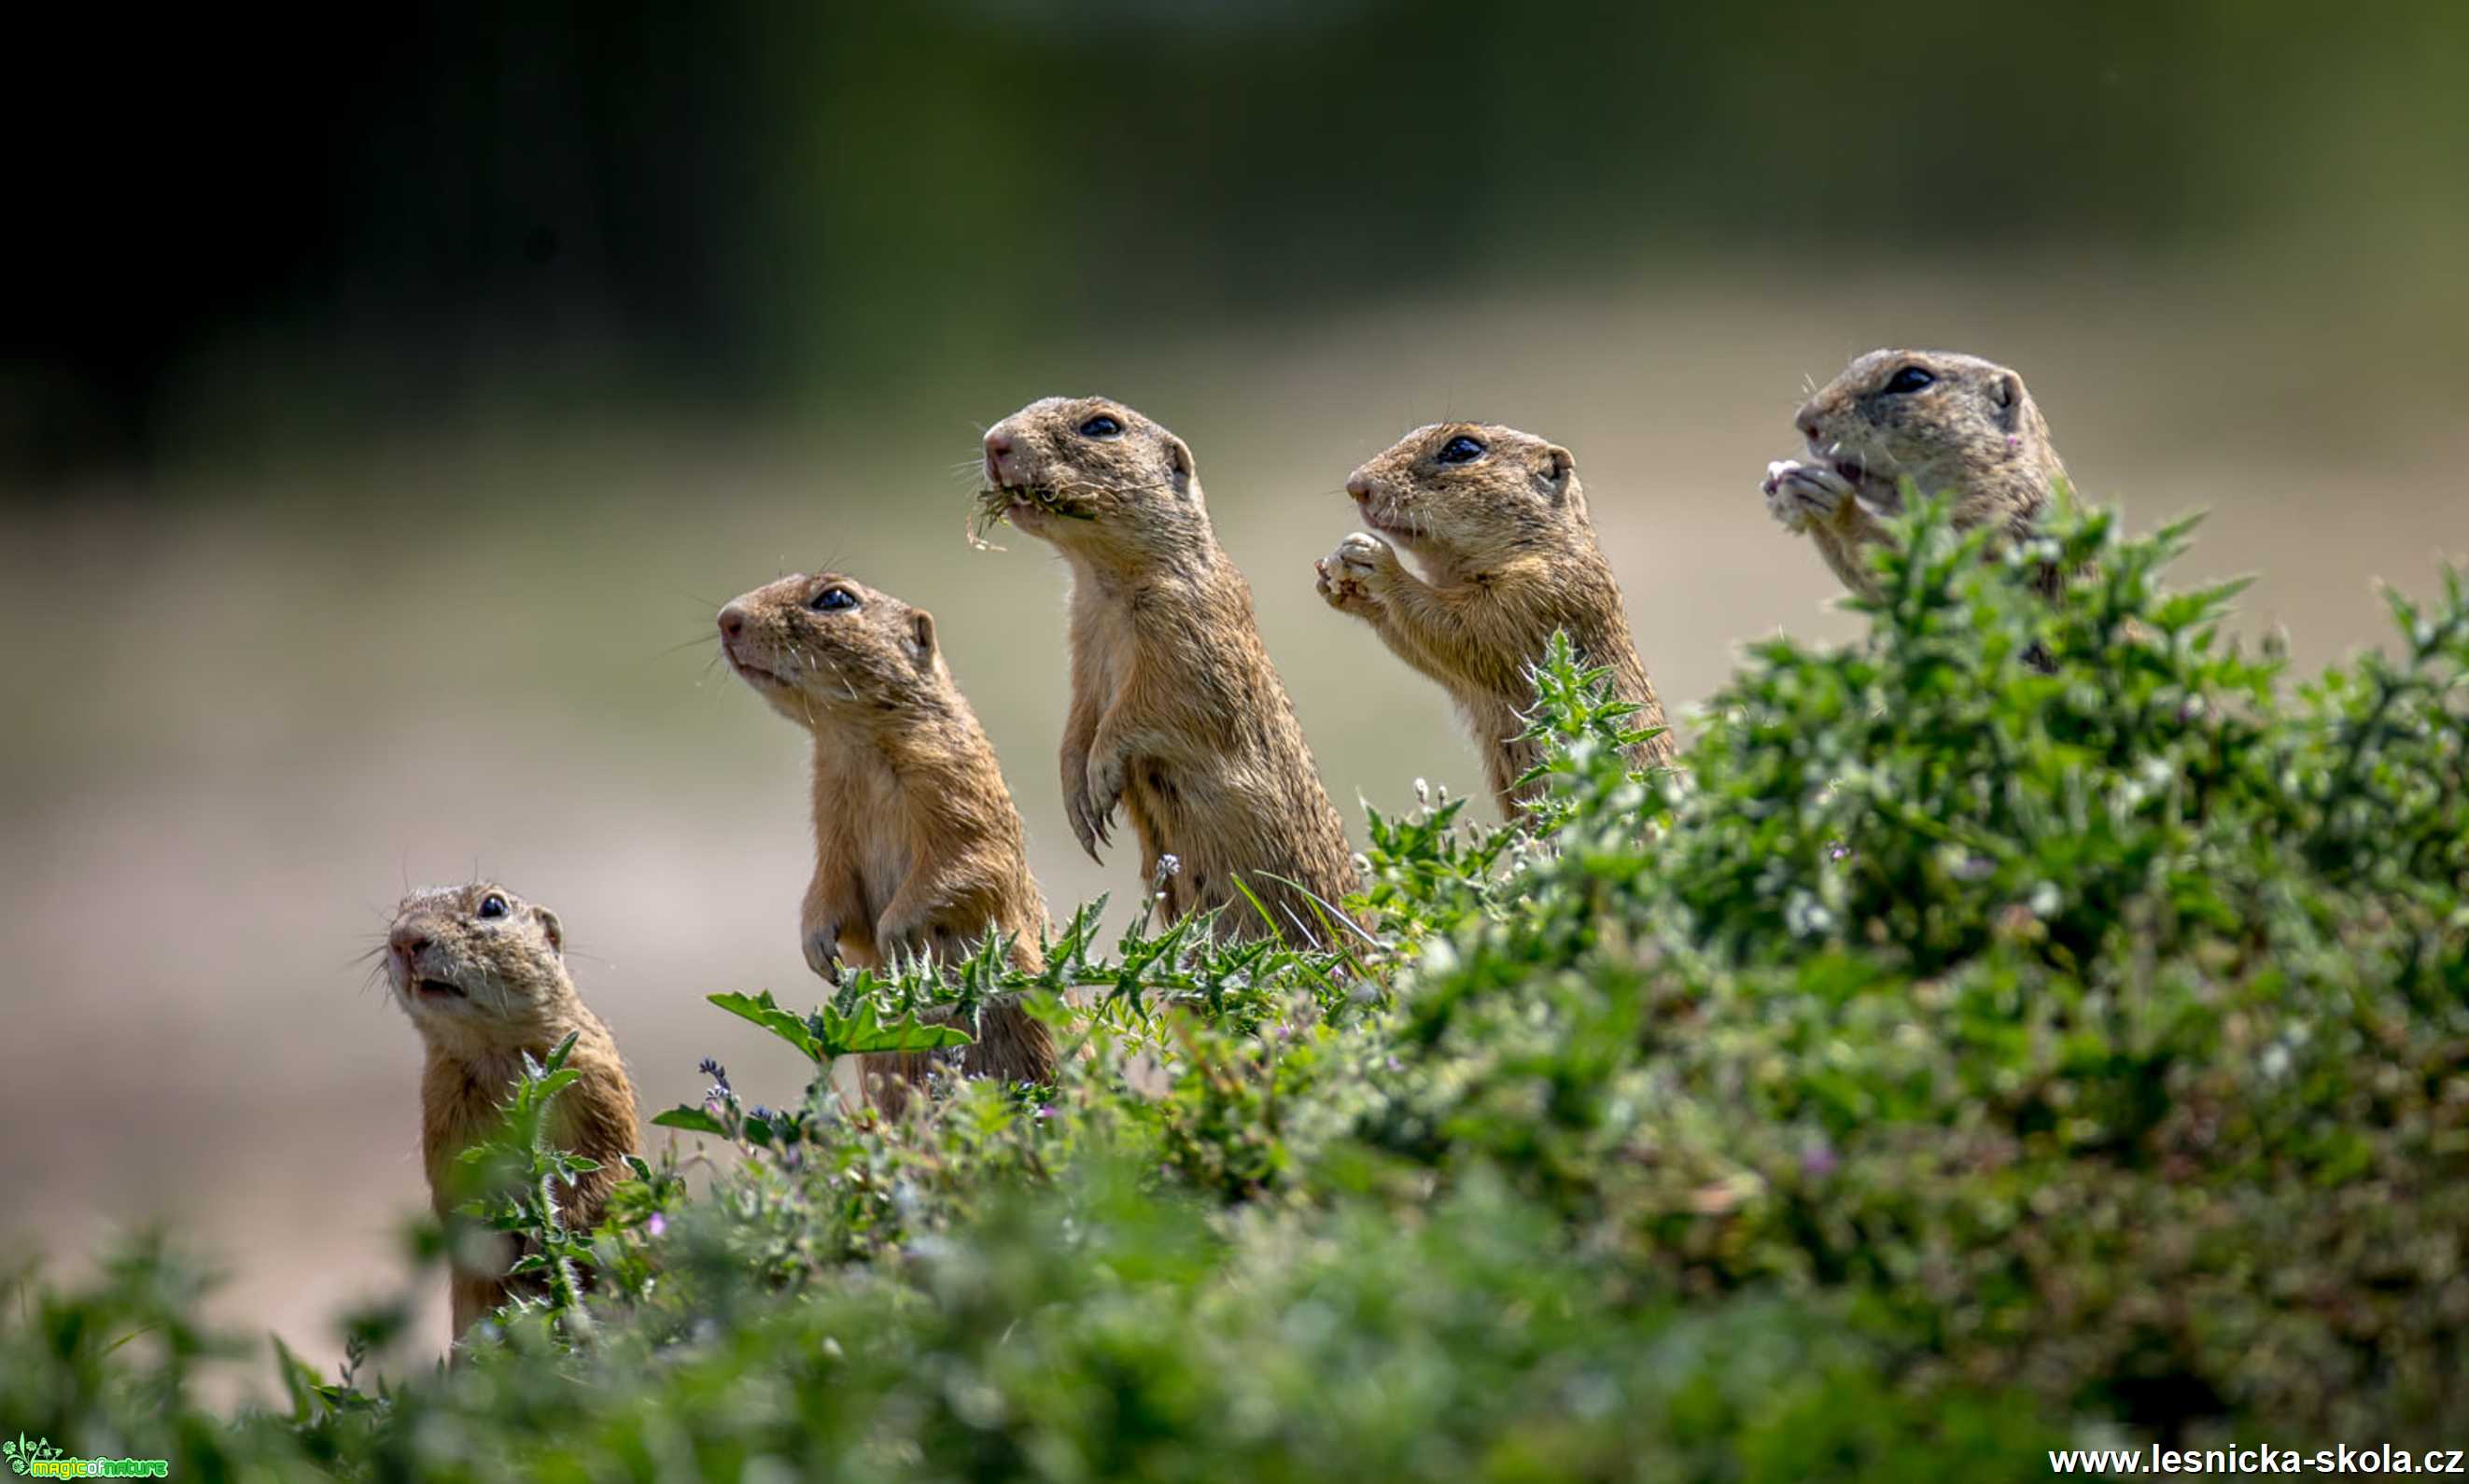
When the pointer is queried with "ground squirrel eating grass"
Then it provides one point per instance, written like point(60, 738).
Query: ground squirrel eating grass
point(481, 972)
point(917, 846)
point(1950, 423)
point(1176, 711)
point(1500, 521)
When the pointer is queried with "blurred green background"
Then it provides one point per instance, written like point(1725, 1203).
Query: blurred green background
point(386, 405)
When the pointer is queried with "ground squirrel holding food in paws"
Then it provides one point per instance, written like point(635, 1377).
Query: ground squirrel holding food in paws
point(1949, 423)
point(1499, 520)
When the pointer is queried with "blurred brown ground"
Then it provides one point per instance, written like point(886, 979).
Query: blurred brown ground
point(244, 722)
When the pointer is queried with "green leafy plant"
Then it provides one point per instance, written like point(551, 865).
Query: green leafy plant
point(2042, 1021)
point(519, 1177)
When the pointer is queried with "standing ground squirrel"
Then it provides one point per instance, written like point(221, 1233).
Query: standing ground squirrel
point(1176, 711)
point(917, 845)
point(1948, 423)
point(481, 972)
point(1499, 518)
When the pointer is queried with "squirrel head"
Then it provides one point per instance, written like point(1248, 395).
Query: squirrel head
point(1096, 479)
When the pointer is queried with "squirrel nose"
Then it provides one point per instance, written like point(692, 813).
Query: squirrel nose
point(732, 621)
point(1806, 422)
point(999, 448)
point(407, 941)
point(1359, 486)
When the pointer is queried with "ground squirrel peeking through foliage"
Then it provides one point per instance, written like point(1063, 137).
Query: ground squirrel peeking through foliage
point(918, 848)
point(1952, 424)
point(481, 972)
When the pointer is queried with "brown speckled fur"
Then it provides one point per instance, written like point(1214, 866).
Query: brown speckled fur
point(1512, 557)
point(1176, 711)
point(516, 1000)
point(1975, 432)
point(917, 844)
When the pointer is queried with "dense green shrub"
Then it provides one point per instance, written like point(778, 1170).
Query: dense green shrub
point(2036, 1023)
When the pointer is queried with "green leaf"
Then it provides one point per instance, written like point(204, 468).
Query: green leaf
point(864, 1032)
point(693, 1120)
point(763, 1012)
point(299, 1381)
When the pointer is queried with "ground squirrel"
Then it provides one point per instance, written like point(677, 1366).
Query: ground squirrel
point(917, 845)
point(481, 972)
point(1950, 423)
point(1176, 711)
point(1499, 518)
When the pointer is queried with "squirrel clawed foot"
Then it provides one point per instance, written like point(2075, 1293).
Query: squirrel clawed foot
point(822, 949)
point(1090, 821)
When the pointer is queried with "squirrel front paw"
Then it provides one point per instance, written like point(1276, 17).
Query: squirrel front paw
point(822, 945)
point(1107, 776)
point(1346, 573)
point(1801, 494)
point(1090, 831)
point(1089, 801)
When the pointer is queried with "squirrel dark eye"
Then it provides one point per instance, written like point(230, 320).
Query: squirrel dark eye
point(493, 906)
point(1101, 426)
point(1460, 449)
point(833, 600)
point(1911, 379)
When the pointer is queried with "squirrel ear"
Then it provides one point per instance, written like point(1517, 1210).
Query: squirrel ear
point(921, 632)
point(2006, 399)
point(1178, 463)
point(553, 929)
point(1560, 469)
